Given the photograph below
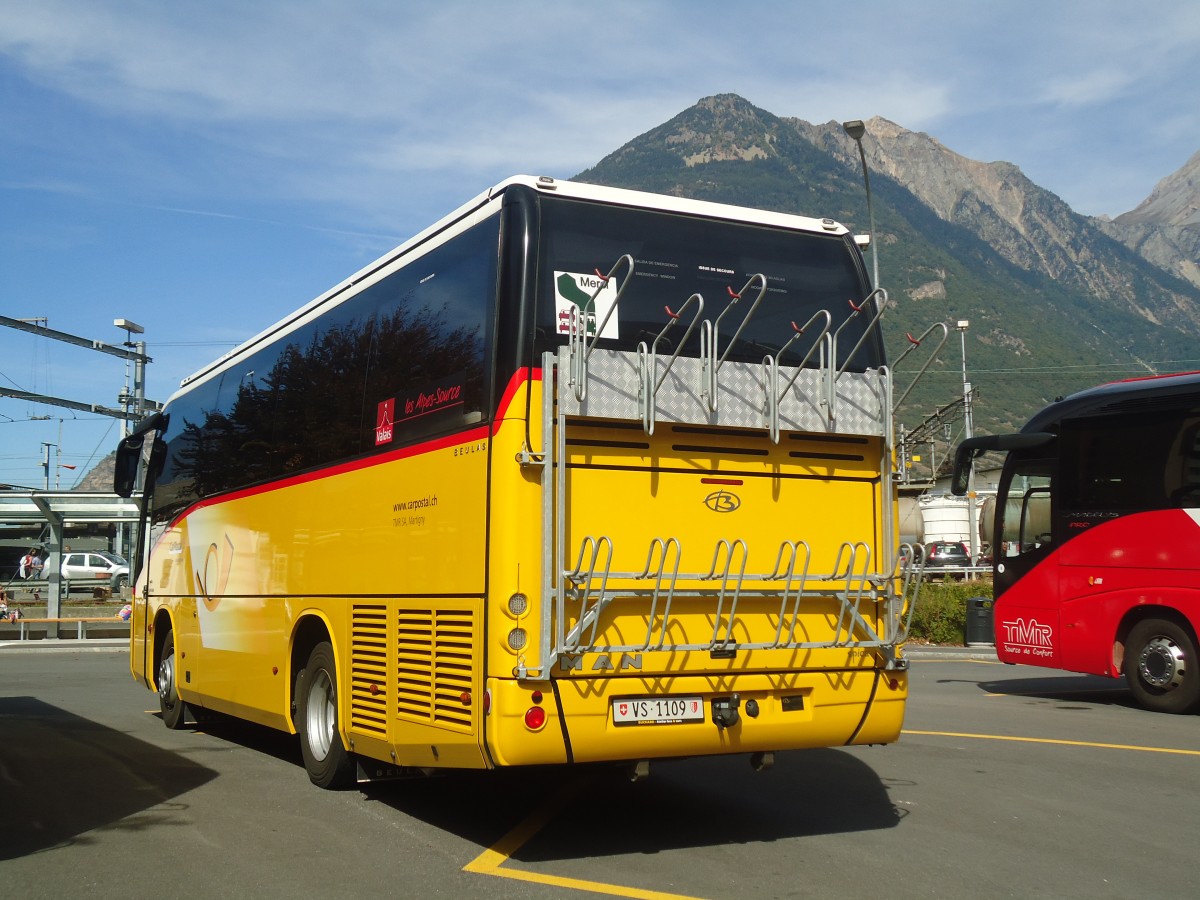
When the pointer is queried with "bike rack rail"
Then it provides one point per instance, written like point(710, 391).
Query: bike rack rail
point(591, 587)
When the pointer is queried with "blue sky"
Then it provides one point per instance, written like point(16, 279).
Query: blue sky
point(205, 168)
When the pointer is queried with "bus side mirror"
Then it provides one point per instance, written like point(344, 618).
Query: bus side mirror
point(976, 446)
point(129, 456)
point(963, 457)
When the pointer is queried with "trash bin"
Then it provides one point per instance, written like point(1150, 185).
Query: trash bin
point(979, 628)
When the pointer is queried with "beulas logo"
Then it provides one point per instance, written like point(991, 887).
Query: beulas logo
point(722, 501)
point(385, 419)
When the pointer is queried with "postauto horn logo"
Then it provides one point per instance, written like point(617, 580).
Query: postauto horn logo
point(722, 501)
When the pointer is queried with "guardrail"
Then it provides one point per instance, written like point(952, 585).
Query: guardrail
point(968, 572)
point(25, 626)
point(97, 587)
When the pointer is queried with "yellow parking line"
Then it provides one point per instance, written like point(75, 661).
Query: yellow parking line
point(1033, 740)
point(490, 862)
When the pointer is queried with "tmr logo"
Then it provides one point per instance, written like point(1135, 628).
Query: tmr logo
point(1029, 638)
point(722, 501)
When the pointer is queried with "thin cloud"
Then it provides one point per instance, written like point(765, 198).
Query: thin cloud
point(213, 214)
point(1101, 85)
point(48, 186)
point(306, 91)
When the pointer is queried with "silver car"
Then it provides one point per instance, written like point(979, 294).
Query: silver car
point(96, 567)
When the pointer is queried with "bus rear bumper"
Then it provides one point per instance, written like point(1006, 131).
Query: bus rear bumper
point(751, 713)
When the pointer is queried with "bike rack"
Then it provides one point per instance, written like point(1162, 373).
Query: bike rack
point(913, 344)
point(774, 396)
point(884, 305)
point(581, 349)
point(862, 606)
point(649, 381)
point(657, 590)
point(710, 337)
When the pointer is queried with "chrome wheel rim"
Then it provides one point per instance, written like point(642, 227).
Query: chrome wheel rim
point(1162, 664)
point(166, 681)
point(320, 714)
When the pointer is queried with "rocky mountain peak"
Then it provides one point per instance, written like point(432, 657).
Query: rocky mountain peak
point(721, 128)
point(1026, 224)
point(940, 177)
point(1165, 227)
point(1174, 201)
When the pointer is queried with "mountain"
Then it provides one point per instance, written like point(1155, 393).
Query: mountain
point(1174, 201)
point(1027, 225)
point(100, 476)
point(1055, 301)
point(1165, 228)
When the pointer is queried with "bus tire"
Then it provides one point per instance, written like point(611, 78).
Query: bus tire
point(170, 704)
point(1162, 667)
point(328, 763)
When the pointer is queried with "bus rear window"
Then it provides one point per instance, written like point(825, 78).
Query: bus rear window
point(677, 256)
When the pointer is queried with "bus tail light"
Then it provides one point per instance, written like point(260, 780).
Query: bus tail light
point(535, 718)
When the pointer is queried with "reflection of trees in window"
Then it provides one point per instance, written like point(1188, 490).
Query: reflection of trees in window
point(316, 405)
point(309, 399)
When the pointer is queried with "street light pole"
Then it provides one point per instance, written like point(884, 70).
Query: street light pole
point(968, 424)
point(855, 130)
point(968, 430)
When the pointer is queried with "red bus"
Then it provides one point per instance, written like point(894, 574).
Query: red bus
point(1097, 537)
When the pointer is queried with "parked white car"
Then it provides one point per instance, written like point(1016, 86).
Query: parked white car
point(96, 567)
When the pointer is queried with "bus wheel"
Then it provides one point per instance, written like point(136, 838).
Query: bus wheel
point(169, 701)
point(328, 763)
point(1161, 666)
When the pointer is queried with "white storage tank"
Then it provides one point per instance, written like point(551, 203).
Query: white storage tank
point(912, 523)
point(945, 518)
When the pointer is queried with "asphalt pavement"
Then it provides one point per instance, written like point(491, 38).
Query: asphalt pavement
point(1008, 781)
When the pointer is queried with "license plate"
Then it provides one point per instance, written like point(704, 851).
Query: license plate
point(657, 710)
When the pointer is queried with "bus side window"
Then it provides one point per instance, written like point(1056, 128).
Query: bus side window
point(1035, 519)
point(1183, 466)
point(1104, 481)
point(1126, 463)
point(1025, 524)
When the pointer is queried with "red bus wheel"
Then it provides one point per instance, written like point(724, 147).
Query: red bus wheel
point(1161, 666)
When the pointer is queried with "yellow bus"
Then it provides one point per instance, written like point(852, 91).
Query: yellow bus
point(577, 474)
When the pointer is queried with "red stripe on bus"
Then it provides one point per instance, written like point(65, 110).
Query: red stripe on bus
point(515, 383)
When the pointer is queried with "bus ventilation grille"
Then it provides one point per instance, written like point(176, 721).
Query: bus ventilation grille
point(434, 676)
point(368, 670)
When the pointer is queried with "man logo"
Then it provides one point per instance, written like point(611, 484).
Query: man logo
point(722, 501)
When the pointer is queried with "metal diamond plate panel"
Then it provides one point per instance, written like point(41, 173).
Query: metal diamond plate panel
point(613, 385)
